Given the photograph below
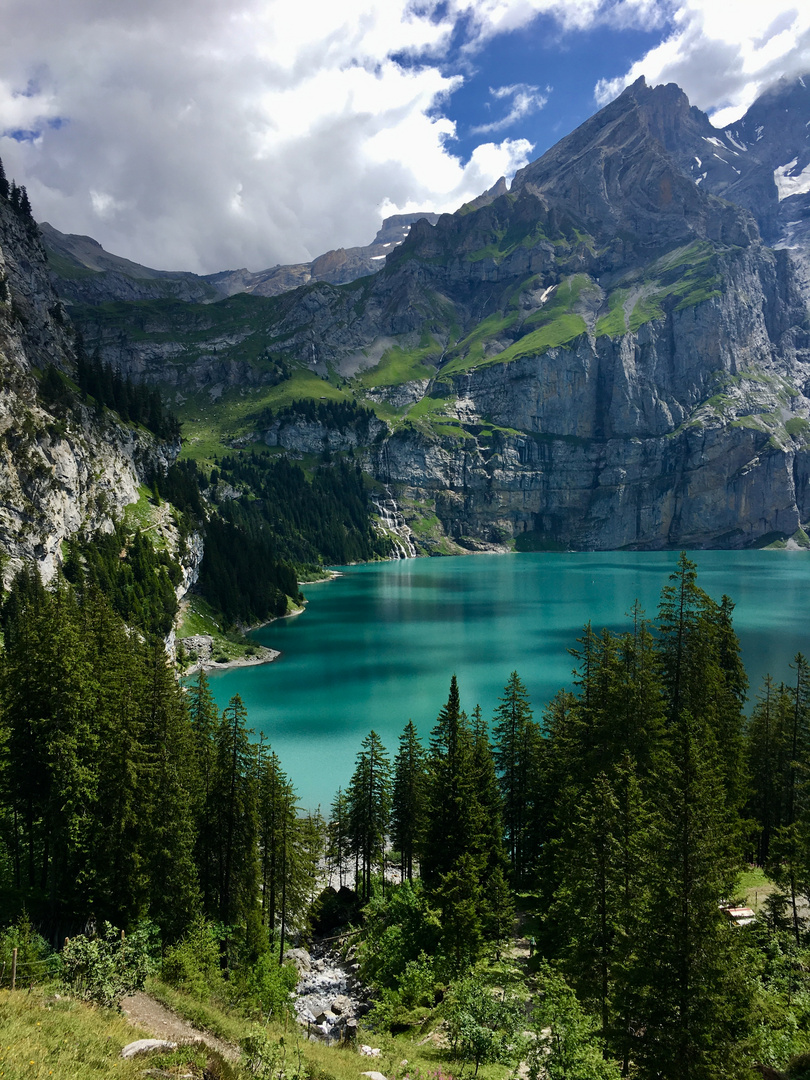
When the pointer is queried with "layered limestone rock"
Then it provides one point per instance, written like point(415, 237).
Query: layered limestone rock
point(691, 432)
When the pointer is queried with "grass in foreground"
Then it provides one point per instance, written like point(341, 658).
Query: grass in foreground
point(42, 1036)
point(422, 1051)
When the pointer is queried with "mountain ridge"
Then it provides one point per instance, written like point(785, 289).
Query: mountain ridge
point(605, 353)
point(84, 272)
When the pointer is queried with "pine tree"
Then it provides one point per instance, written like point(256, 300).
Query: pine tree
point(512, 760)
point(453, 809)
point(338, 834)
point(119, 882)
point(695, 998)
point(204, 719)
point(486, 816)
point(171, 778)
point(766, 756)
point(408, 799)
point(276, 821)
point(234, 801)
point(459, 897)
point(369, 801)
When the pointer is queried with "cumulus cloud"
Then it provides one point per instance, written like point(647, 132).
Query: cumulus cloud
point(489, 18)
point(724, 57)
point(214, 135)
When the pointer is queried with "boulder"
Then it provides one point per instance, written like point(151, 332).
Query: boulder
point(146, 1046)
point(342, 1005)
point(301, 959)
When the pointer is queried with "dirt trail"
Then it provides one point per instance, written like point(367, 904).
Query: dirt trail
point(519, 949)
point(161, 1023)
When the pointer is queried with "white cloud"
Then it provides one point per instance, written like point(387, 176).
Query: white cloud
point(722, 56)
point(212, 135)
point(218, 135)
point(492, 17)
point(525, 101)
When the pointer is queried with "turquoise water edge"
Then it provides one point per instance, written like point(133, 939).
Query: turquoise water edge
point(377, 646)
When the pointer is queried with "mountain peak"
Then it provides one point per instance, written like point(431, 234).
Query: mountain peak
point(625, 170)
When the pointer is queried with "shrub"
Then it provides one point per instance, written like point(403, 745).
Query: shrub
point(36, 961)
point(194, 964)
point(108, 967)
point(264, 987)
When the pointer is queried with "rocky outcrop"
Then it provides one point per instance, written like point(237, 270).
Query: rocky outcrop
point(64, 467)
point(303, 436)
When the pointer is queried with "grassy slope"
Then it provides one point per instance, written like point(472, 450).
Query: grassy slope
point(210, 426)
point(41, 1036)
point(241, 328)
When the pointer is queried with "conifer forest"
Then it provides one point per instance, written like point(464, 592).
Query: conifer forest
point(613, 830)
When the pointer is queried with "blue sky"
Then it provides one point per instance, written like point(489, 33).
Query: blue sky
point(231, 133)
point(541, 76)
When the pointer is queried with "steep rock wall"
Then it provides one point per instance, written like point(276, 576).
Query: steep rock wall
point(61, 469)
point(693, 431)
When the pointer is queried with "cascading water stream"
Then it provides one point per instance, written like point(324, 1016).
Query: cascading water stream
point(392, 524)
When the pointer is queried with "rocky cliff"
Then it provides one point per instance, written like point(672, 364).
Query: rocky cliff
point(64, 467)
point(605, 354)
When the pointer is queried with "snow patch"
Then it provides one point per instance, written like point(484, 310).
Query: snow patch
point(375, 257)
point(715, 142)
point(734, 142)
point(700, 163)
point(788, 185)
point(760, 130)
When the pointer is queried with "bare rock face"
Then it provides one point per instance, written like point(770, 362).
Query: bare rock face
point(60, 472)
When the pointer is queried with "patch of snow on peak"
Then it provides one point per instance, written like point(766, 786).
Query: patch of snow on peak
point(715, 142)
point(788, 185)
point(700, 163)
point(760, 131)
point(734, 142)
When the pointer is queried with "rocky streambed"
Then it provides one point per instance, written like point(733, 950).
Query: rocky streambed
point(330, 998)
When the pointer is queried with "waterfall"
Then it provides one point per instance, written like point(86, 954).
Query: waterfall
point(392, 524)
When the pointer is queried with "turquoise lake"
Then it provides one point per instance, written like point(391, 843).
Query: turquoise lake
point(377, 646)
